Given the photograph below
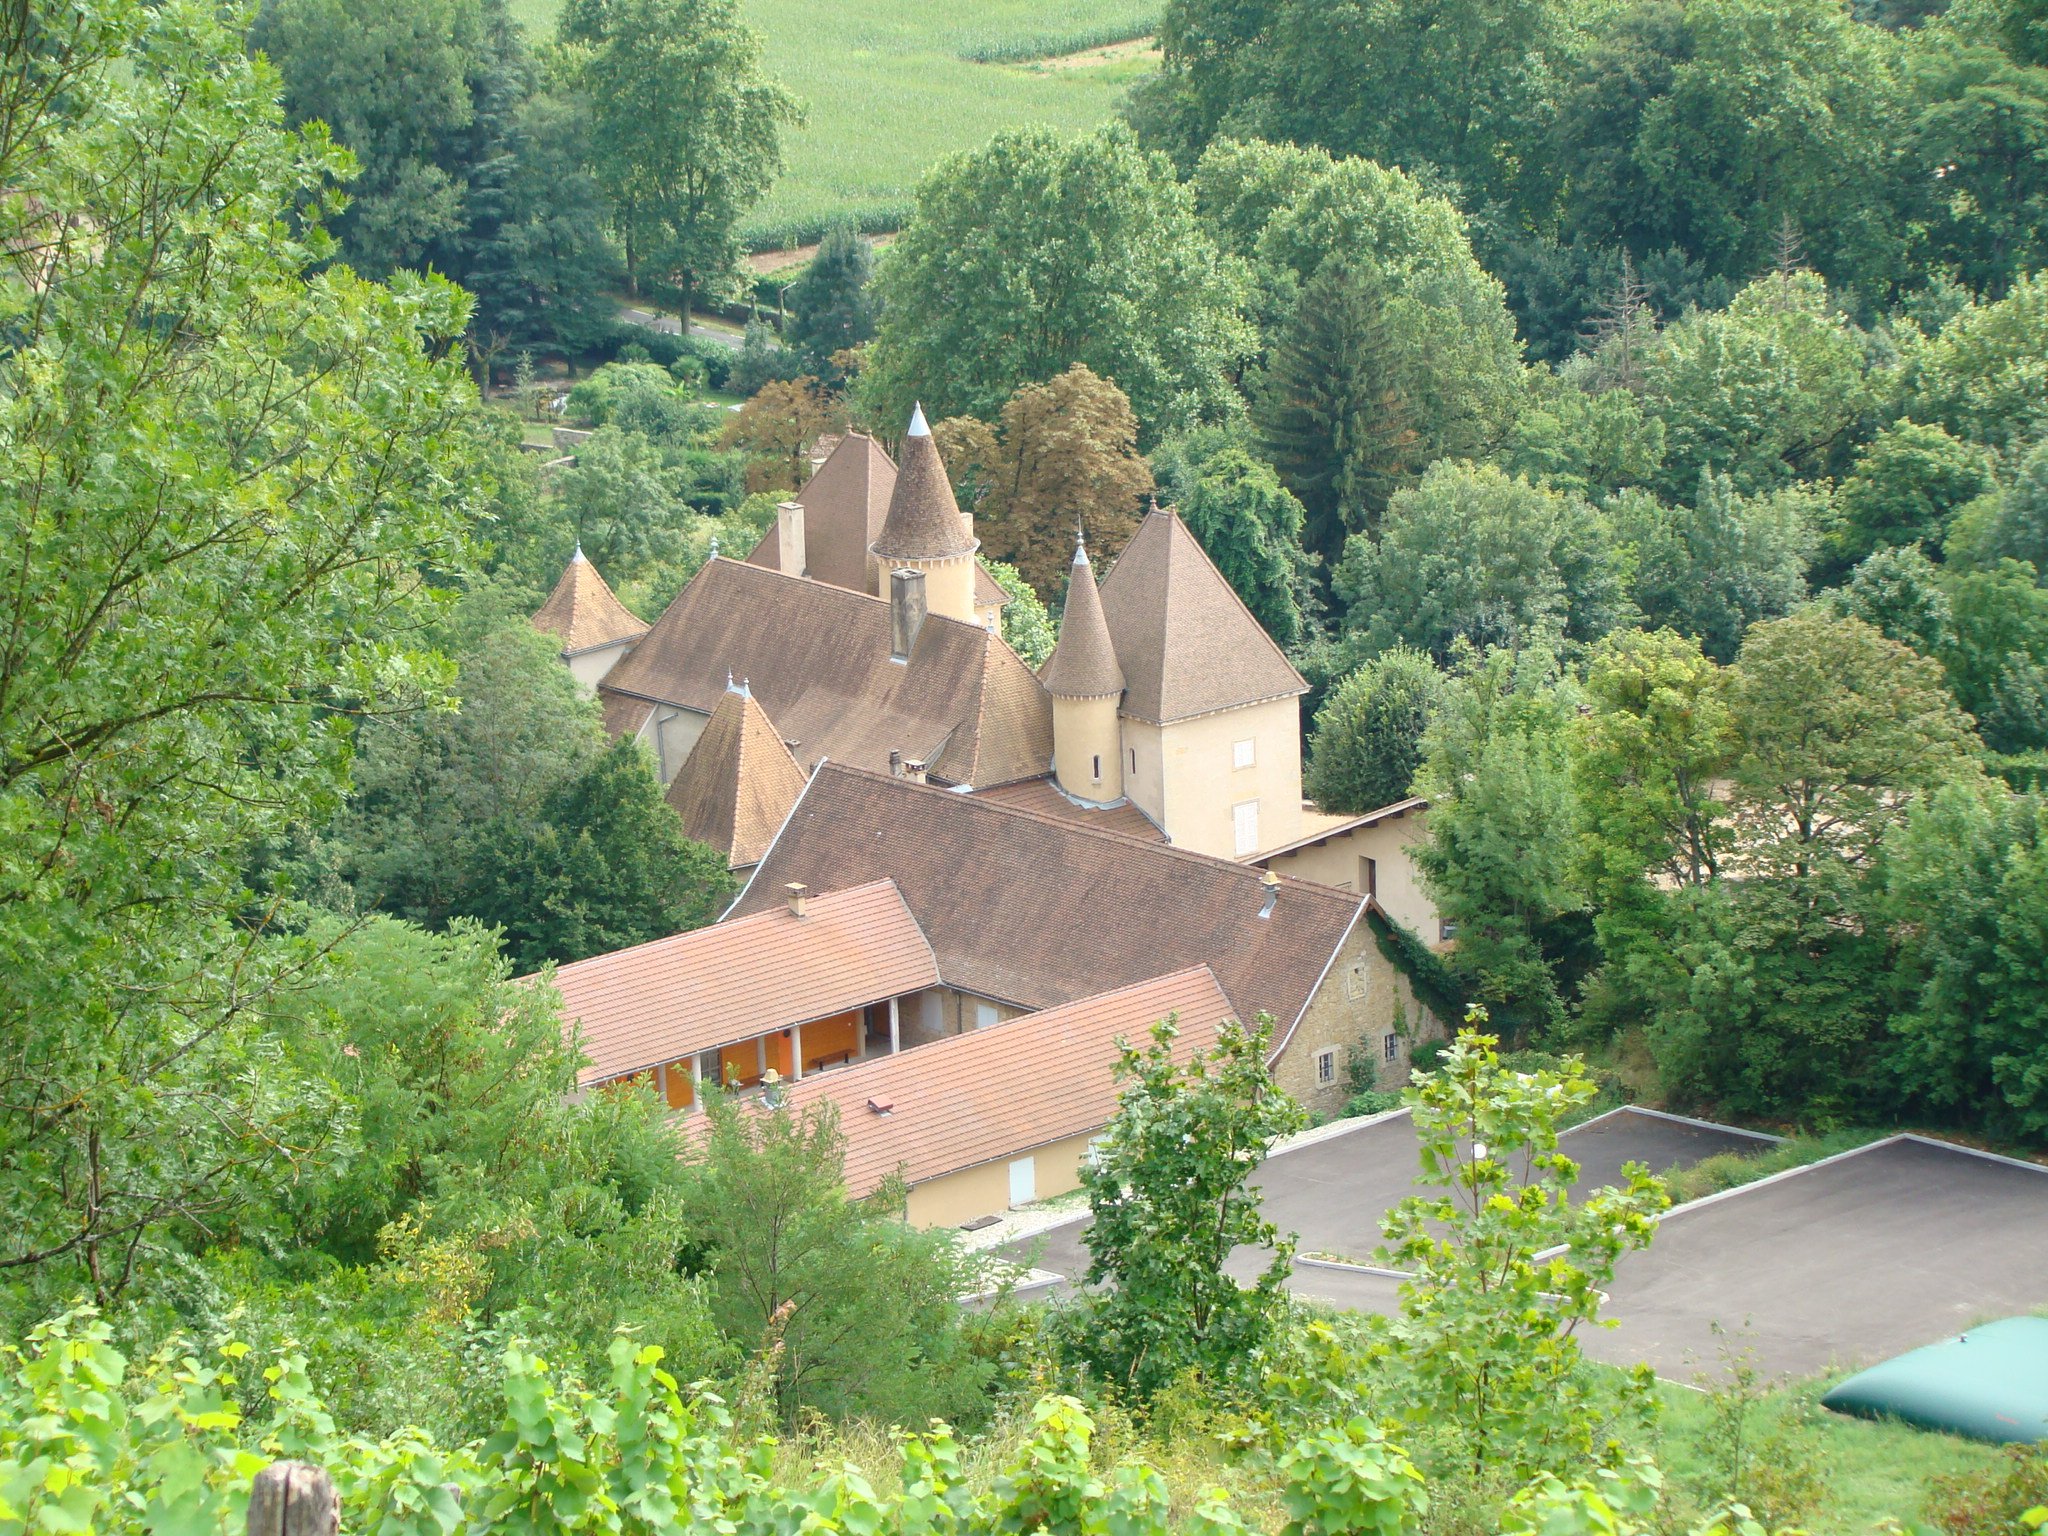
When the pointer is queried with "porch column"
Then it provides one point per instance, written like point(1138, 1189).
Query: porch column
point(895, 1029)
point(760, 1055)
point(796, 1052)
point(661, 1083)
point(696, 1083)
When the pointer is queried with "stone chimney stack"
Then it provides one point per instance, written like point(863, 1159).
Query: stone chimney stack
point(1271, 882)
point(895, 764)
point(914, 771)
point(797, 892)
point(791, 558)
point(906, 611)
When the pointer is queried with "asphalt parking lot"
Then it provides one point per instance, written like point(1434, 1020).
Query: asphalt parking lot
point(1334, 1193)
point(1843, 1263)
point(1835, 1265)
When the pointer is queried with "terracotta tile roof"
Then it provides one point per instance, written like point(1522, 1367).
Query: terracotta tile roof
point(844, 505)
point(1186, 641)
point(716, 986)
point(923, 522)
point(1083, 664)
point(1043, 796)
point(998, 1092)
point(1040, 910)
point(738, 782)
point(818, 659)
point(583, 611)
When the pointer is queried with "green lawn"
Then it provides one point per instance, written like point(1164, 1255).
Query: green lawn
point(1827, 1474)
point(891, 85)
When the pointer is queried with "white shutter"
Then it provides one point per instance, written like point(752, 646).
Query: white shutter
point(1245, 820)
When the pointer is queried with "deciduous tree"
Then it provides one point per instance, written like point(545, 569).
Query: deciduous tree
point(1368, 735)
point(1066, 456)
point(1038, 252)
point(223, 468)
point(1171, 1194)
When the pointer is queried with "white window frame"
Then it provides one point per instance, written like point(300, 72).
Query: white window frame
point(1243, 754)
point(1326, 1066)
point(1244, 829)
point(1390, 1048)
point(985, 1015)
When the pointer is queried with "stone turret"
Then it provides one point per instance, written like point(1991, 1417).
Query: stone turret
point(924, 530)
point(1086, 685)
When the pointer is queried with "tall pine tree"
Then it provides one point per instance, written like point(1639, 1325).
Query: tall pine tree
point(1329, 413)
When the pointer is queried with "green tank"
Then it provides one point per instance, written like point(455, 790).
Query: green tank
point(1988, 1384)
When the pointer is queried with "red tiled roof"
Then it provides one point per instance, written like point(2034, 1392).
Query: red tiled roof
point(1000, 1091)
point(639, 1007)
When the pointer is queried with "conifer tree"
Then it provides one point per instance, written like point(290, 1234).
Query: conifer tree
point(1329, 413)
point(830, 307)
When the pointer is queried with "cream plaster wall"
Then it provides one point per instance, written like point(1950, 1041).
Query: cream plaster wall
point(948, 585)
point(1362, 1000)
point(1084, 731)
point(984, 1190)
point(1200, 786)
point(1391, 845)
point(670, 733)
point(1144, 768)
point(589, 667)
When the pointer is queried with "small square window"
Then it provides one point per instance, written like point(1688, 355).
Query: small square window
point(1241, 755)
point(1326, 1067)
point(1390, 1048)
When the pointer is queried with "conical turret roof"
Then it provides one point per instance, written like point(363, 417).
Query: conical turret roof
point(924, 521)
point(739, 781)
point(1083, 664)
point(583, 611)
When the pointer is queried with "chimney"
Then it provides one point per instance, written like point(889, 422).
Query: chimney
point(895, 764)
point(790, 556)
point(797, 891)
point(1271, 882)
point(914, 771)
point(906, 611)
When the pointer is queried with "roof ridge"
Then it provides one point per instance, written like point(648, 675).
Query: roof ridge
point(849, 1073)
point(671, 938)
point(1081, 829)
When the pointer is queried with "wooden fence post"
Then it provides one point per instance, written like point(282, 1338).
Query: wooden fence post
point(292, 1499)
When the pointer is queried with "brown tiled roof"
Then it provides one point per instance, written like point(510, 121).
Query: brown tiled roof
point(923, 522)
point(1039, 910)
point(818, 659)
point(1000, 1091)
point(1043, 796)
point(1186, 641)
point(844, 505)
point(738, 782)
point(623, 714)
point(583, 611)
point(1083, 664)
point(640, 1007)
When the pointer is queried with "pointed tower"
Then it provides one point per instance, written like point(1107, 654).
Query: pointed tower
point(595, 628)
point(924, 530)
point(1086, 685)
point(739, 781)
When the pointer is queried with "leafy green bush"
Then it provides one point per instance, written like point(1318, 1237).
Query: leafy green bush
point(1991, 1501)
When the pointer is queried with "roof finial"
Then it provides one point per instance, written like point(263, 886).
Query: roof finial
point(579, 552)
point(1152, 509)
point(730, 685)
point(1080, 541)
point(918, 426)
